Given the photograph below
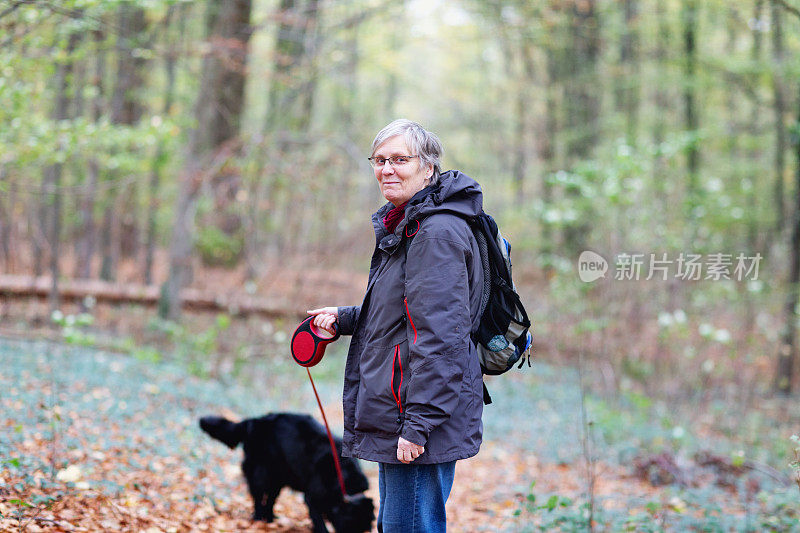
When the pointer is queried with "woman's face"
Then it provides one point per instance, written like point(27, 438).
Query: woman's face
point(398, 184)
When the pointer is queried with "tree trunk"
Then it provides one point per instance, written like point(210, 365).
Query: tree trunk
point(344, 189)
point(87, 241)
point(120, 230)
point(779, 99)
point(660, 97)
point(753, 154)
point(348, 95)
point(689, 16)
point(293, 75)
point(77, 166)
point(180, 250)
point(155, 173)
point(126, 107)
point(523, 105)
point(6, 220)
point(221, 98)
point(392, 85)
point(787, 350)
point(52, 178)
point(582, 93)
point(36, 217)
point(109, 241)
point(218, 110)
point(661, 197)
point(225, 100)
point(290, 100)
point(311, 43)
point(547, 144)
point(626, 93)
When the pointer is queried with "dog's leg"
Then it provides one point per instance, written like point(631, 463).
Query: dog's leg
point(257, 476)
point(269, 499)
point(316, 515)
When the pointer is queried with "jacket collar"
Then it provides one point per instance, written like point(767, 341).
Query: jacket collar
point(454, 192)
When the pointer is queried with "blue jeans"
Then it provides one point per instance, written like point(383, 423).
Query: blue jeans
point(413, 497)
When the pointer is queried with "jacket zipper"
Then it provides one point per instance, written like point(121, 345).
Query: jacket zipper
point(398, 362)
point(391, 385)
point(405, 300)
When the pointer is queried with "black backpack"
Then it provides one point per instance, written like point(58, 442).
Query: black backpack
point(501, 336)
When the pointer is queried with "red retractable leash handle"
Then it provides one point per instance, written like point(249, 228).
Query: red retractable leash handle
point(309, 342)
point(308, 347)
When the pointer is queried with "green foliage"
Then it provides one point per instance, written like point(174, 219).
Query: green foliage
point(73, 328)
point(219, 248)
point(196, 350)
point(783, 513)
point(557, 513)
point(796, 463)
point(147, 354)
point(691, 510)
point(494, 72)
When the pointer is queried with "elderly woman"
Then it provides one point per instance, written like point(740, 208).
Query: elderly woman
point(413, 385)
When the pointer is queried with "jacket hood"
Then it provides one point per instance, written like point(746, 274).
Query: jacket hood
point(455, 192)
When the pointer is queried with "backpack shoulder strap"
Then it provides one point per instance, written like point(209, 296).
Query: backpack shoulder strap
point(483, 248)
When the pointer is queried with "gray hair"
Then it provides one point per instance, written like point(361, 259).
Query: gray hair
point(420, 141)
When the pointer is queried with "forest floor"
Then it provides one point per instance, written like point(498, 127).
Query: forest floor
point(93, 440)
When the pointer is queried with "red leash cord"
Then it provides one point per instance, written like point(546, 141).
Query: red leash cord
point(330, 437)
point(308, 347)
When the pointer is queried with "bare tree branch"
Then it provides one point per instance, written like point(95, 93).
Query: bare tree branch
point(791, 9)
point(13, 7)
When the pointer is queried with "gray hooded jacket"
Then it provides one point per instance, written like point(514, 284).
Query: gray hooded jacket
point(412, 369)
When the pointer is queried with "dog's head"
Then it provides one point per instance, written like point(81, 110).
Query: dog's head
point(354, 515)
point(225, 431)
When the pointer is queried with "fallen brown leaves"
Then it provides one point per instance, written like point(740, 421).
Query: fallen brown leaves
point(163, 498)
point(97, 442)
point(149, 502)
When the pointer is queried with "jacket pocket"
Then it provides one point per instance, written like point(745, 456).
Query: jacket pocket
point(381, 389)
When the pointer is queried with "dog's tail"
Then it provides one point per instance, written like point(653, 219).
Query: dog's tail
point(229, 433)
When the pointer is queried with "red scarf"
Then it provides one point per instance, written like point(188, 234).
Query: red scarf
point(393, 217)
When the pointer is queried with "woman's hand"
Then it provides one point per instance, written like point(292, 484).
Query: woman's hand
point(407, 451)
point(325, 318)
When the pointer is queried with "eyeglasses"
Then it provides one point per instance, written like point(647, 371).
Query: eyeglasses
point(395, 160)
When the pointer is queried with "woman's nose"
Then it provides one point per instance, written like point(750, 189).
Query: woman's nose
point(387, 168)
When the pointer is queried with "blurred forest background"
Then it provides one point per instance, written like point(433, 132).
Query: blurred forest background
point(193, 175)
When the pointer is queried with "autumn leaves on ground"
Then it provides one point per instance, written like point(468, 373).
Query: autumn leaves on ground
point(103, 442)
point(92, 440)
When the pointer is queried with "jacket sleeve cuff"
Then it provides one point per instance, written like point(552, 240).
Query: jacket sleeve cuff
point(347, 318)
point(415, 433)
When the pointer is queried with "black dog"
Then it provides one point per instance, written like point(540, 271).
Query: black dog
point(285, 449)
